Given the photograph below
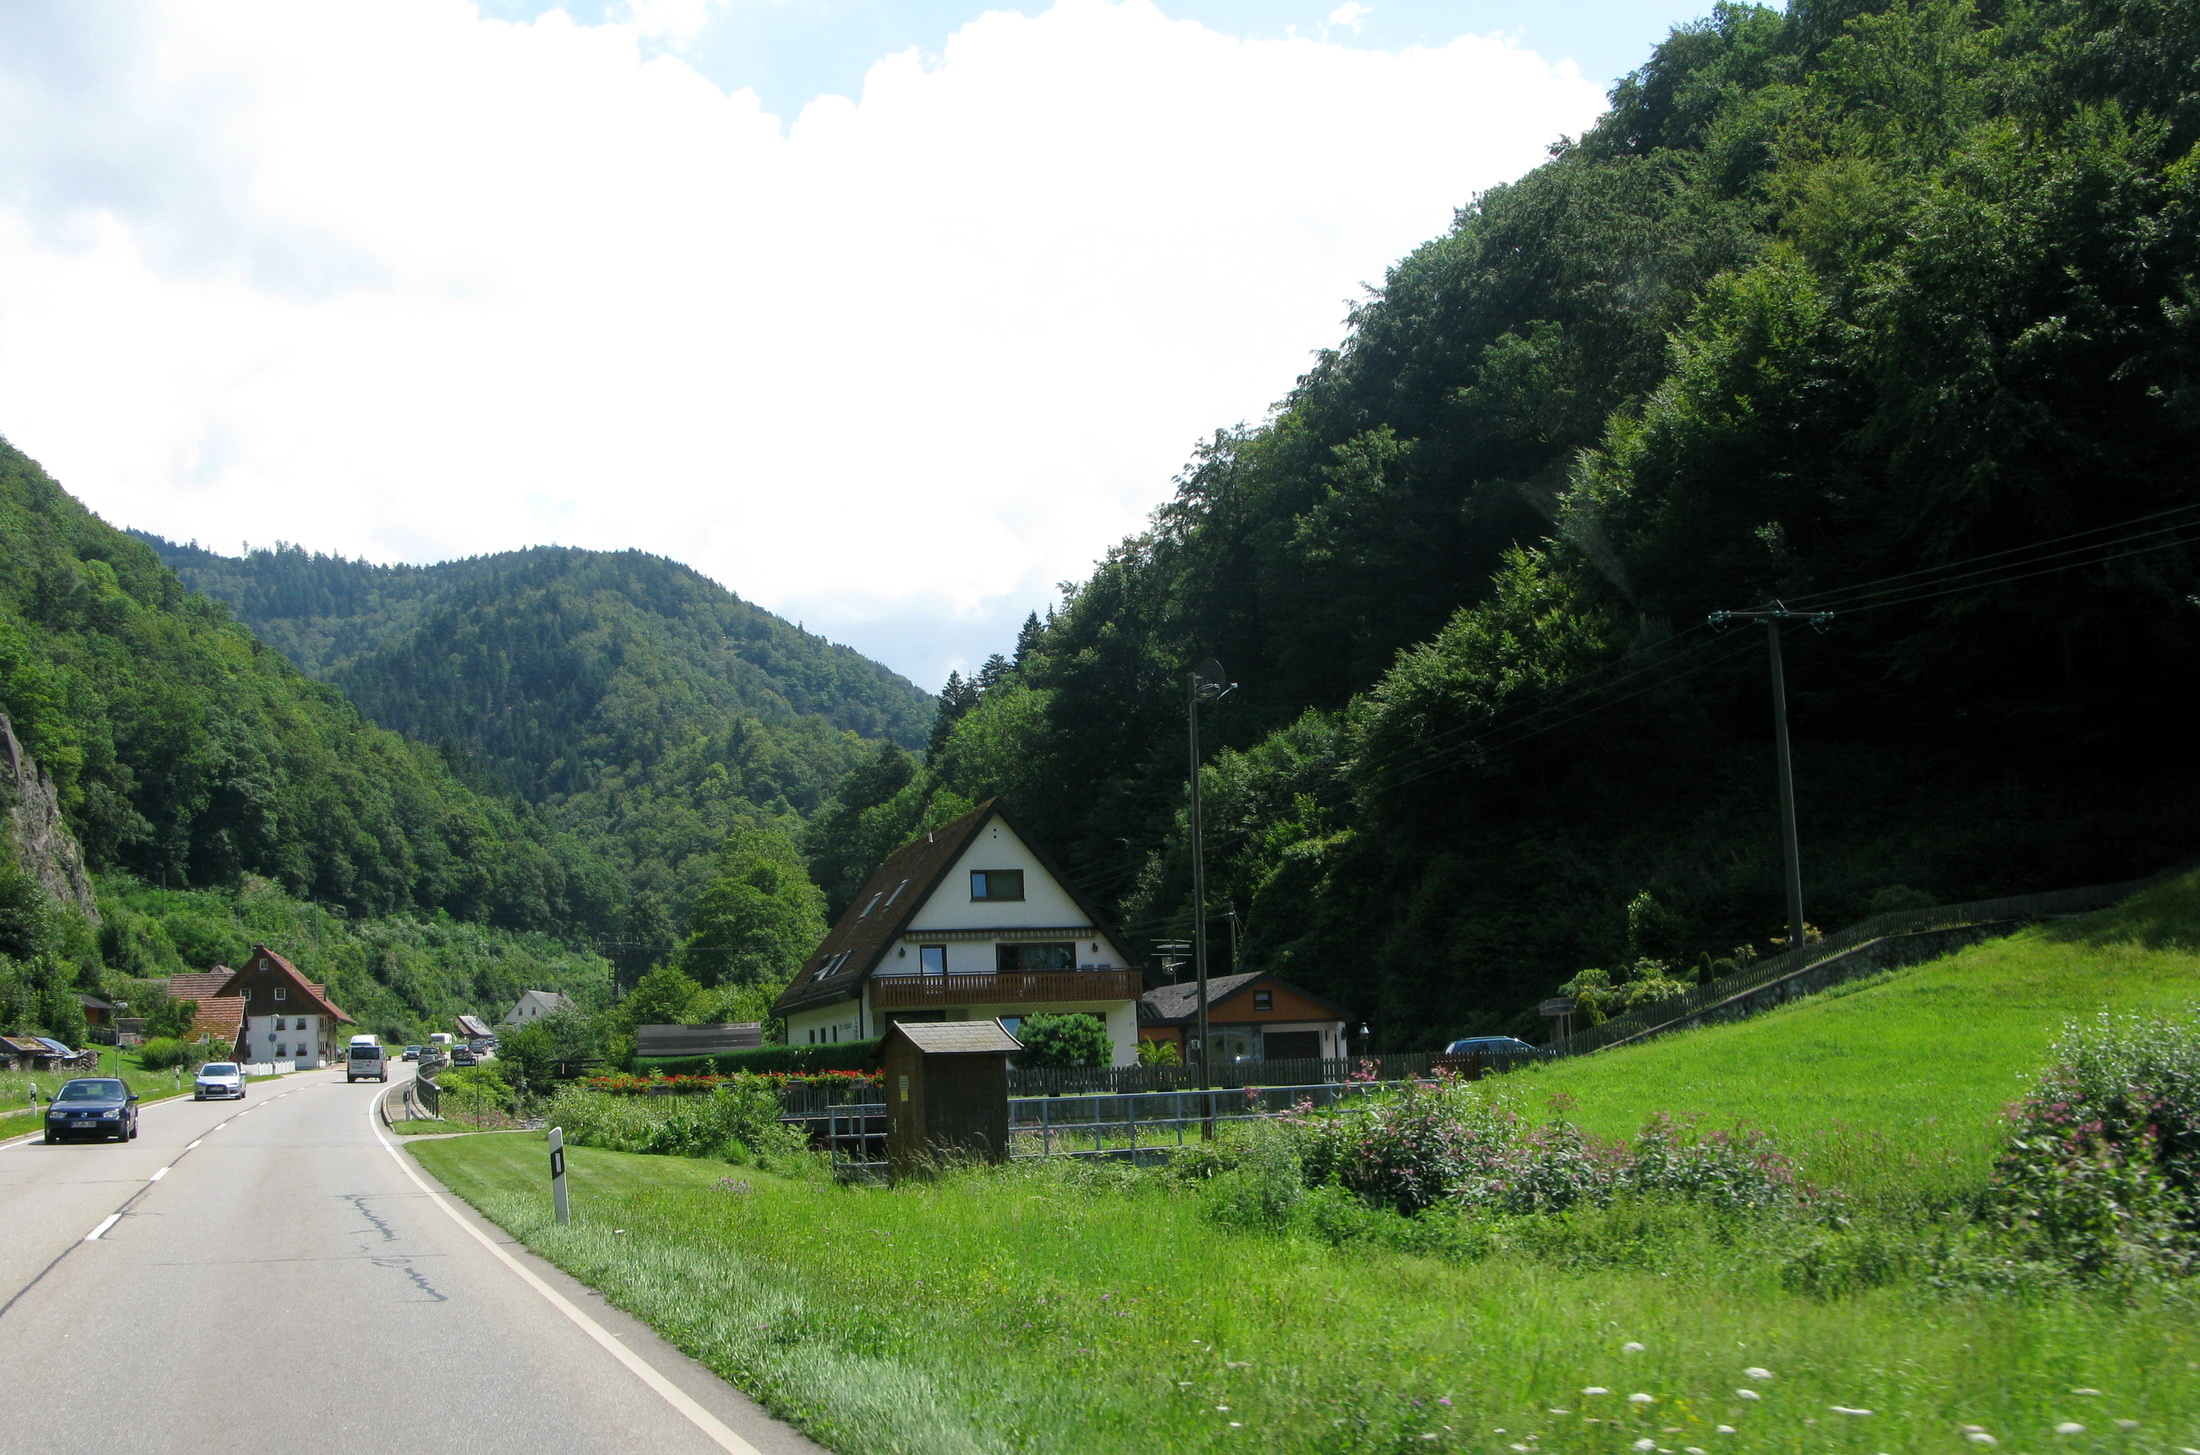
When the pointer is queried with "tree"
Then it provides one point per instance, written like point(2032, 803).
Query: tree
point(666, 996)
point(171, 1018)
point(956, 698)
point(1070, 1039)
point(760, 916)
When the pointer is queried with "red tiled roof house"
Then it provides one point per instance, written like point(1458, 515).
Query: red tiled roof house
point(286, 1017)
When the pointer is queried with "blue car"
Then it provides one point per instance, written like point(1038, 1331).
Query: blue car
point(96, 1107)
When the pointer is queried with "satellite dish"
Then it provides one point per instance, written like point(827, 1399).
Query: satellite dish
point(1210, 670)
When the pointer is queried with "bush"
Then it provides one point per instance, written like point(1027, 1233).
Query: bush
point(1069, 1039)
point(1264, 1187)
point(162, 1052)
point(2100, 1175)
point(738, 1121)
point(842, 1056)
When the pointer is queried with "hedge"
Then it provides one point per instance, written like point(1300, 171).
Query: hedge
point(846, 1056)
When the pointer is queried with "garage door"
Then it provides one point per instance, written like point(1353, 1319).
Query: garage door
point(1291, 1045)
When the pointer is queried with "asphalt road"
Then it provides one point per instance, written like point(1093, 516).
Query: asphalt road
point(279, 1278)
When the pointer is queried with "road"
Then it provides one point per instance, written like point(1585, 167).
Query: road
point(278, 1279)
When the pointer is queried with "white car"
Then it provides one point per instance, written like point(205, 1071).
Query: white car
point(364, 1061)
point(218, 1079)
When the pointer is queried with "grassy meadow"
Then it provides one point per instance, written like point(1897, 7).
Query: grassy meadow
point(1059, 1308)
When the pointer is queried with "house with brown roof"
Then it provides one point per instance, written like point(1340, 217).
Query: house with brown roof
point(972, 921)
point(1250, 1017)
point(286, 1017)
point(220, 1017)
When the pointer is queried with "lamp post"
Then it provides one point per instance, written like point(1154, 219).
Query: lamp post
point(1203, 683)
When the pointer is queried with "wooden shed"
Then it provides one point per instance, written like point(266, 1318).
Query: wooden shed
point(946, 1092)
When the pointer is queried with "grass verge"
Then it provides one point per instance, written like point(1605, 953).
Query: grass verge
point(1059, 1309)
point(1895, 1088)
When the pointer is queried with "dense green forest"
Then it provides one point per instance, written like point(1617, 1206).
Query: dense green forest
point(645, 709)
point(1887, 310)
point(188, 753)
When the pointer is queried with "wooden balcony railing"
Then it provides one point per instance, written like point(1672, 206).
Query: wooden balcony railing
point(1008, 987)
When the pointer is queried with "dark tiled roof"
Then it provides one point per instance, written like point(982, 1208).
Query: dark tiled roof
point(856, 943)
point(220, 1017)
point(200, 987)
point(1172, 1005)
point(956, 1038)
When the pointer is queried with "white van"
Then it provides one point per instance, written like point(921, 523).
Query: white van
point(365, 1060)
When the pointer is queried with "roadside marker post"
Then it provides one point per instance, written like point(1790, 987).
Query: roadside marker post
point(557, 1173)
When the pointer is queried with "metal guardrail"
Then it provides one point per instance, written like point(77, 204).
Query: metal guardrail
point(1052, 1126)
point(1880, 926)
point(1233, 1075)
point(424, 1094)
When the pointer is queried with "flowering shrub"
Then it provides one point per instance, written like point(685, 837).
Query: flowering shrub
point(2101, 1171)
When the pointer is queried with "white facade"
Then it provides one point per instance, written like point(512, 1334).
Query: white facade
point(288, 1038)
point(534, 1005)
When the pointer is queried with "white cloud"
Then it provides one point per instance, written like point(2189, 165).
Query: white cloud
point(469, 285)
point(1352, 15)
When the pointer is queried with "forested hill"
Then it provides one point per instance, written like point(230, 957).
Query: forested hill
point(643, 707)
point(186, 752)
point(1887, 310)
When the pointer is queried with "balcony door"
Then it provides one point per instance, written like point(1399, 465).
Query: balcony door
point(931, 959)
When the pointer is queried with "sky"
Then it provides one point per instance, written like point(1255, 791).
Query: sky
point(888, 316)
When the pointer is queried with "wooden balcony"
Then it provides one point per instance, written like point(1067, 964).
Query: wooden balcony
point(1008, 987)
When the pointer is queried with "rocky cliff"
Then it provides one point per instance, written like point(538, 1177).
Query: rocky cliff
point(30, 810)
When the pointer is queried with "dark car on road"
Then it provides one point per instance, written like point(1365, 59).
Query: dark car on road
point(92, 1106)
point(462, 1056)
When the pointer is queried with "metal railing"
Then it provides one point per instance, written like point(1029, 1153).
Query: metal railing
point(1111, 1125)
point(2018, 907)
point(1231, 1075)
point(1005, 987)
point(423, 1093)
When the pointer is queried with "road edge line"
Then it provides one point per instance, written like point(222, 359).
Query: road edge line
point(716, 1429)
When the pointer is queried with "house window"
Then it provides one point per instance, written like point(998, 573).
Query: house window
point(1035, 957)
point(932, 959)
point(1264, 1000)
point(280, 992)
point(996, 884)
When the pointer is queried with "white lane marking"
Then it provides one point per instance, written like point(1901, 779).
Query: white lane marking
point(160, 1174)
point(641, 1368)
point(221, 1126)
point(112, 1219)
point(194, 1144)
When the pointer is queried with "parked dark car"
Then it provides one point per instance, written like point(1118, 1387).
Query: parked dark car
point(92, 1106)
point(1491, 1046)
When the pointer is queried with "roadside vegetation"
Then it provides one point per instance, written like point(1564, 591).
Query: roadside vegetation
point(1956, 1201)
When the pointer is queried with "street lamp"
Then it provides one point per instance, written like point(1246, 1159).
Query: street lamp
point(1203, 683)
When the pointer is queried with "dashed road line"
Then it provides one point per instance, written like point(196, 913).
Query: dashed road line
point(110, 1220)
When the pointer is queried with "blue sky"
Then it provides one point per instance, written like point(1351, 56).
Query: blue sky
point(791, 51)
point(890, 317)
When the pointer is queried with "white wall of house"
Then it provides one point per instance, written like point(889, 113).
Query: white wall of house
point(285, 1038)
point(824, 1024)
point(1045, 905)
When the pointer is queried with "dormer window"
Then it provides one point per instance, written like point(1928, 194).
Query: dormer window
point(996, 884)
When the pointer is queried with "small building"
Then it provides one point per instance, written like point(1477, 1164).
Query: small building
point(97, 1012)
point(946, 1089)
point(536, 1004)
point(971, 922)
point(283, 1015)
point(1251, 1016)
point(472, 1028)
point(705, 1040)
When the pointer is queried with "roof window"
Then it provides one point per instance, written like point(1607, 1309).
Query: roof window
point(896, 894)
point(872, 905)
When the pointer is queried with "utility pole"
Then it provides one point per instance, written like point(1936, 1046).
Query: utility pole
point(1201, 684)
point(1772, 616)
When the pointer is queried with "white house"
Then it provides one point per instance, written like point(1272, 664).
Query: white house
point(534, 1005)
point(286, 1016)
point(970, 922)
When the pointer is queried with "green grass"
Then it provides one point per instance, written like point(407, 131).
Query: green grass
point(1083, 1309)
point(424, 1126)
point(1895, 1087)
point(1049, 1310)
